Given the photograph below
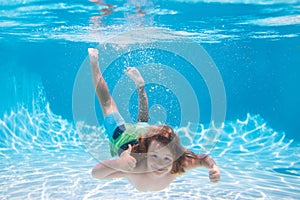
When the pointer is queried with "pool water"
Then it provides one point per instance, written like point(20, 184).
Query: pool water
point(243, 111)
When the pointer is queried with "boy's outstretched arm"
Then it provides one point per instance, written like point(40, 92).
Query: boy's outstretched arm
point(116, 168)
point(204, 160)
point(135, 75)
point(107, 169)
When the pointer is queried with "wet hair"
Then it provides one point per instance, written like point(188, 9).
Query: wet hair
point(167, 136)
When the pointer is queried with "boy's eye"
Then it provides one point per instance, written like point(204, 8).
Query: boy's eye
point(154, 156)
point(167, 159)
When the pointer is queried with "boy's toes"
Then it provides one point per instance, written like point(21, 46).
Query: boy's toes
point(93, 51)
point(127, 69)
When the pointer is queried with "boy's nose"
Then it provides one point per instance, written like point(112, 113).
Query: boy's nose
point(162, 162)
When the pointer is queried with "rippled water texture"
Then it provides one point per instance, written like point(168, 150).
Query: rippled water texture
point(42, 157)
point(35, 20)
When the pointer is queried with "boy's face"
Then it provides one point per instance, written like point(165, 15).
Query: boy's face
point(159, 158)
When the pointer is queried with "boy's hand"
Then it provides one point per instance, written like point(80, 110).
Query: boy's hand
point(214, 173)
point(126, 162)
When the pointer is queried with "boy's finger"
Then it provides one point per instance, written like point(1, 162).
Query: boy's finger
point(129, 148)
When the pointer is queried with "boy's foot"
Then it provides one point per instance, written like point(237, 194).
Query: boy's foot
point(135, 75)
point(93, 55)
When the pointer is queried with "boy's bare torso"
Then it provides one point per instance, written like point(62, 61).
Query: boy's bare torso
point(149, 181)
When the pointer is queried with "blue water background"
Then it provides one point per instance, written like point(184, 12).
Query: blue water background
point(258, 64)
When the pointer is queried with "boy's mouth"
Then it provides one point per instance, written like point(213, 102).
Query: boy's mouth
point(158, 170)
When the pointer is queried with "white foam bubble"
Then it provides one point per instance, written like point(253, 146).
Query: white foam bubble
point(260, 2)
point(277, 21)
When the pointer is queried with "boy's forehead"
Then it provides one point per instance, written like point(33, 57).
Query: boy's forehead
point(158, 146)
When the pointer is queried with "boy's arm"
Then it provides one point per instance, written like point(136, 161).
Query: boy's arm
point(106, 169)
point(135, 75)
point(204, 160)
point(116, 168)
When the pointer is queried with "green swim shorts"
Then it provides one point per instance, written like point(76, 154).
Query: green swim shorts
point(122, 134)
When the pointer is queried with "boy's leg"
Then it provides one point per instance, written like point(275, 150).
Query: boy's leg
point(135, 75)
point(106, 101)
point(113, 121)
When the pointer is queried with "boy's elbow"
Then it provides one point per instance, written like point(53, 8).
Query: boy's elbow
point(96, 173)
point(102, 171)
